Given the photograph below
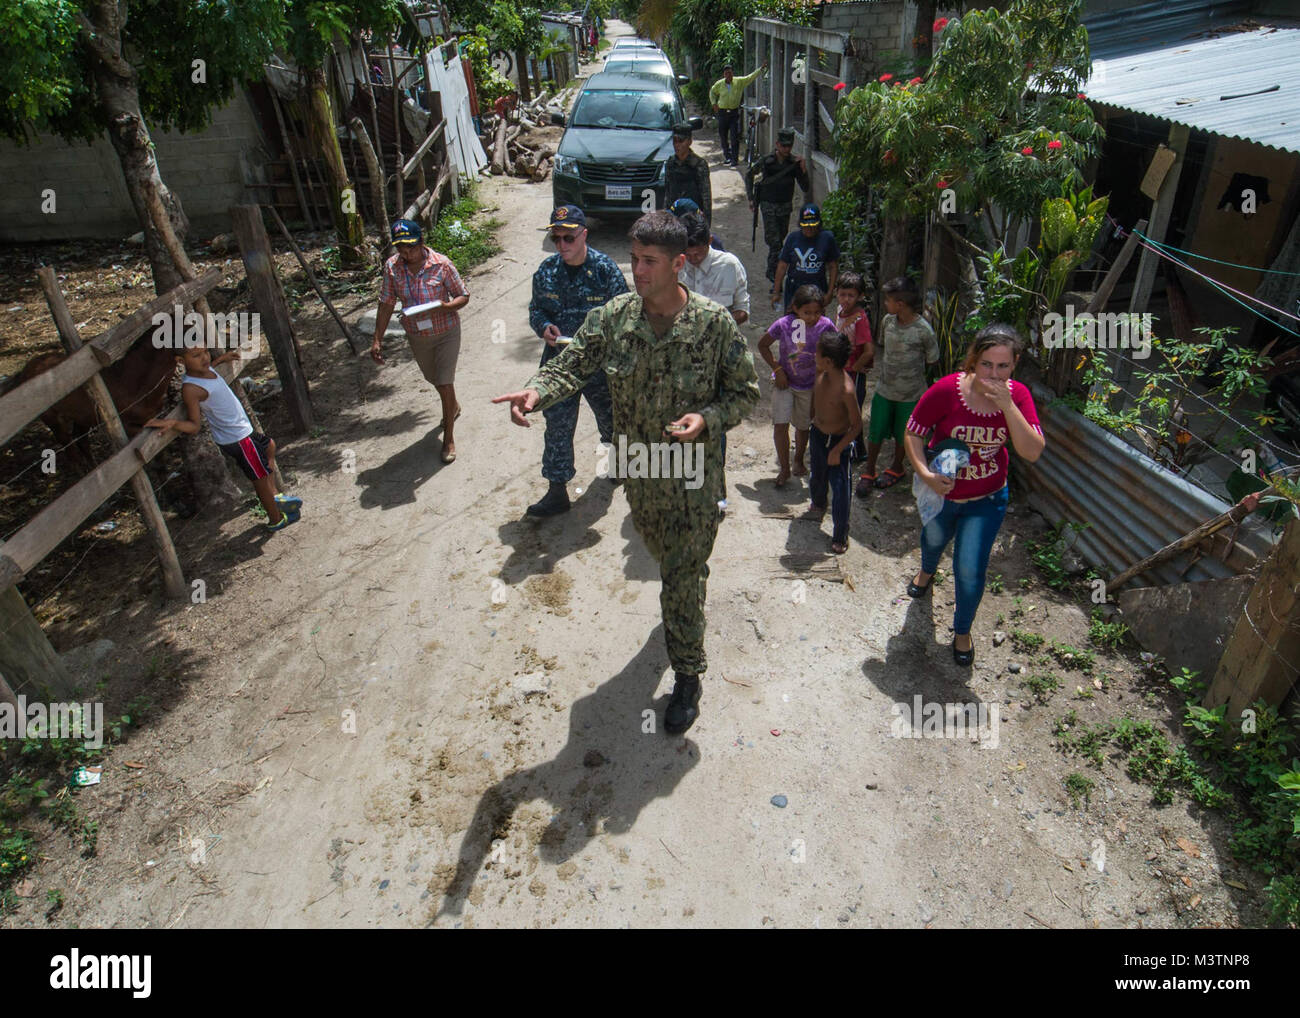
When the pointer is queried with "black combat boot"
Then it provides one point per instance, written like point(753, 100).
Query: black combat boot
point(683, 708)
point(554, 502)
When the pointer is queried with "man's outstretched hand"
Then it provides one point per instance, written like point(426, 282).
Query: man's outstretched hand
point(520, 404)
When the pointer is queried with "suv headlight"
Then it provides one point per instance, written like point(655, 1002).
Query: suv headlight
point(567, 165)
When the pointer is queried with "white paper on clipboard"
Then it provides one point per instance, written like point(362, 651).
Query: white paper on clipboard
point(420, 316)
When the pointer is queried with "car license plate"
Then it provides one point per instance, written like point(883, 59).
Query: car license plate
point(618, 192)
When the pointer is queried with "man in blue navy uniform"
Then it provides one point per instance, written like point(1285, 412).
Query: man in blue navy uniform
point(566, 286)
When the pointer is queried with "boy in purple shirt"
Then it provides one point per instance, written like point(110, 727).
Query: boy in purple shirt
point(794, 371)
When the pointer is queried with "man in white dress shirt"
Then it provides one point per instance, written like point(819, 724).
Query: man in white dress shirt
point(719, 276)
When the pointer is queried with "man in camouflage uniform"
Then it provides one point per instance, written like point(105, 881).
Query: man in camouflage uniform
point(675, 360)
point(687, 175)
point(566, 286)
point(769, 185)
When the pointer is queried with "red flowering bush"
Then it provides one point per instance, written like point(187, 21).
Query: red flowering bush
point(940, 24)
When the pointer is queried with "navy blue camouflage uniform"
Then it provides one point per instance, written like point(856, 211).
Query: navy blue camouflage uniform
point(562, 296)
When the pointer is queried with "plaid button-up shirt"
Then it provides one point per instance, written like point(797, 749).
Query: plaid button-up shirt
point(436, 279)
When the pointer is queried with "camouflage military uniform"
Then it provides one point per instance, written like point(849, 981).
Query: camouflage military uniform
point(771, 181)
point(703, 366)
point(562, 296)
point(689, 179)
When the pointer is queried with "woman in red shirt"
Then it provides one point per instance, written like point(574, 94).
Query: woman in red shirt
point(983, 407)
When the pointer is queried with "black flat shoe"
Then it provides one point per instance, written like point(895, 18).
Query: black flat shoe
point(965, 658)
point(915, 591)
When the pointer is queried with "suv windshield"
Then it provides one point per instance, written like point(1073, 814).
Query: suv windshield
point(644, 111)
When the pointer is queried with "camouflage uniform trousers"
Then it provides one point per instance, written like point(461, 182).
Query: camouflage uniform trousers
point(562, 422)
point(776, 227)
point(680, 540)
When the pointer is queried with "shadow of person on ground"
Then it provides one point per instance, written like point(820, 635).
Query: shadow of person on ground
point(610, 769)
point(536, 545)
point(915, 663)
point(637, 561)
point(394, 482)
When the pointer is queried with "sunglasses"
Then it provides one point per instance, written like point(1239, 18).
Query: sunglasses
point(564, 238)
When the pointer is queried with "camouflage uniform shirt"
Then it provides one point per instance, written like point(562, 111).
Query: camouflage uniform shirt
point(689, 179)
point(703, 365)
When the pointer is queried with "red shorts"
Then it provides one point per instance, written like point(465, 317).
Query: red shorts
point(251, 455)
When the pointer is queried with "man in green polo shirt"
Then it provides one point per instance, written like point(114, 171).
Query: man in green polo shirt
point(725, 96)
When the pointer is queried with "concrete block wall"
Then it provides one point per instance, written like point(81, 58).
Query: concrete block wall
point(91, 200)
point(877, 27)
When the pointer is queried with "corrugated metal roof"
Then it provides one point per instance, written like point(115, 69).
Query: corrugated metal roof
point(1156, 25)
point(1241, 85)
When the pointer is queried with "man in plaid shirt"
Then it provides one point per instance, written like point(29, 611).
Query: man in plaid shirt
point(417, 275)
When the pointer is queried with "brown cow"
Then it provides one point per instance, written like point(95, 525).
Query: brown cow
point(137, 381)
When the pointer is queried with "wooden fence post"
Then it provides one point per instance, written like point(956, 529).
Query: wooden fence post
point(1262, 657)
point(255, 247)
point(173, 578)
point(29, 663)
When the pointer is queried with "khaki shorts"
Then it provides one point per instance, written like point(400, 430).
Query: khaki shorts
point(436, 355)
point(792, 406)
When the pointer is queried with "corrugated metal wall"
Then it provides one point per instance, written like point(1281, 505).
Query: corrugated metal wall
point(1133, 507)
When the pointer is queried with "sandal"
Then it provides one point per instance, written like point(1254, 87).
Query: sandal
point(865, 483)
point(449, 455)
point(888, 479)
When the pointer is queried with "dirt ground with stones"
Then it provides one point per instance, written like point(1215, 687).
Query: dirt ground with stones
point(419, 708)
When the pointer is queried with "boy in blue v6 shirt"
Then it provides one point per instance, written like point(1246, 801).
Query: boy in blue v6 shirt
point(810, 256)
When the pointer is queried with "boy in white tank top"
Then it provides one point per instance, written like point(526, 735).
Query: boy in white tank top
point(204, 392)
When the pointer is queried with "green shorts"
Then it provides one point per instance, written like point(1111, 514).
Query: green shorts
point(888, 419)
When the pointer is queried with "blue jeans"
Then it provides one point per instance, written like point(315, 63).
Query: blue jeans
point(837, 476)
point(975, 525)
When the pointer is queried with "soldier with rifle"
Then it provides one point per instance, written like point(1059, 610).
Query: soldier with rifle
point(769, 185)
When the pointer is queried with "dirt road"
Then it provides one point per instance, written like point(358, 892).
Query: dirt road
point(417, 707)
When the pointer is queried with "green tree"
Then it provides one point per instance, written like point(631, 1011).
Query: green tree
point(518, 30)
point(83, 68)
point(998, 119)
point(311, 29)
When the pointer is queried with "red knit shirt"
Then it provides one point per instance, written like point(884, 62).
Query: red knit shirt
point(942, 413)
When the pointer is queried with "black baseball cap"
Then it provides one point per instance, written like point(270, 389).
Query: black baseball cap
point(406, 231)
point(810, 215)
point(682, 130)
point(785, 136)
point(568, 216)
